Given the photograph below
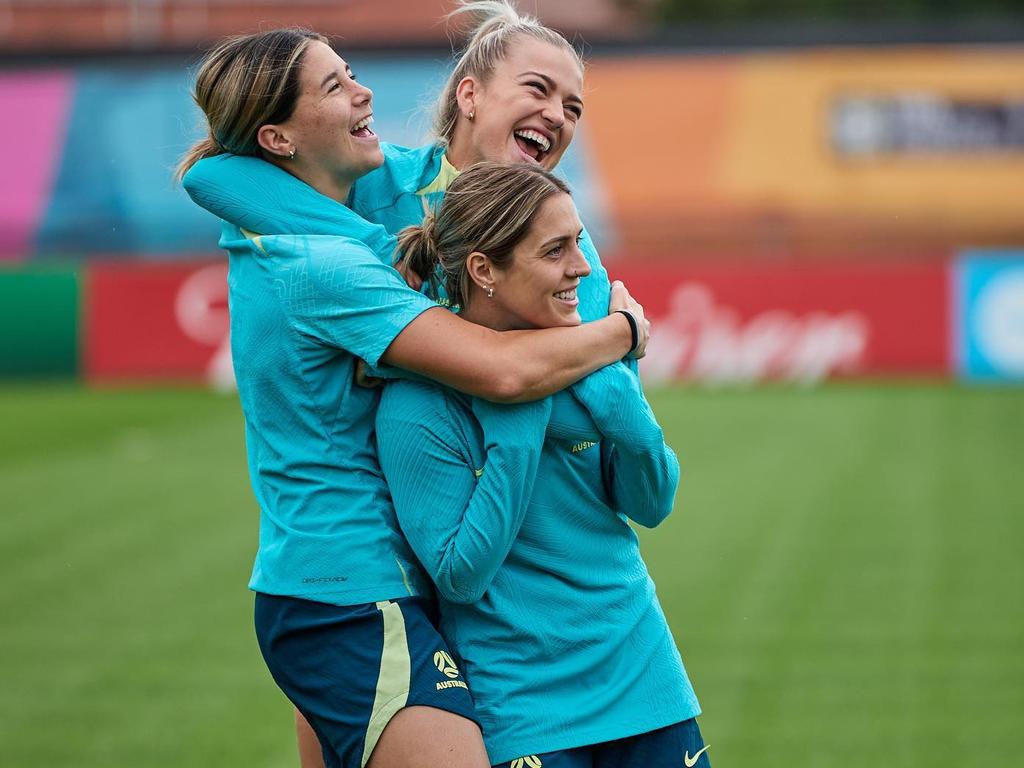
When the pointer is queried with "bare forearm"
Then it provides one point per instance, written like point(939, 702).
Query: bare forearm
point(510, 366)
point(550, 361)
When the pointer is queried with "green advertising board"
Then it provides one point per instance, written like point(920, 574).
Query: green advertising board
point(39, 322)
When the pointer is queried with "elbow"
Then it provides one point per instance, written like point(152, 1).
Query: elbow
point(659, 497)
point(461, 594)
point(460, 586)
point(513, 381)
point(654, 515)
point(506, 387)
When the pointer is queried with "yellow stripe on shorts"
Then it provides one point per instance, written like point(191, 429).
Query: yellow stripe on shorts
point(393, 680)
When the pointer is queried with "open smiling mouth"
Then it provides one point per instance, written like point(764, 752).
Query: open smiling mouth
point(567, 296)
point(361, 130)
point(532, 144)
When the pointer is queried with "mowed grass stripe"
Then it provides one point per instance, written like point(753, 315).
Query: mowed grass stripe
point(126, 569)
point(867, 593)
point(842, 573)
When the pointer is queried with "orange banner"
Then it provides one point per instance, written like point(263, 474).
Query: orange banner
point(882, 146)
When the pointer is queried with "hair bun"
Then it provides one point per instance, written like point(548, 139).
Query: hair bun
point(491, 15)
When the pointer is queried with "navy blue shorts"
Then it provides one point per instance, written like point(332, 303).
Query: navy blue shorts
point(677, 746)
point(349, 669)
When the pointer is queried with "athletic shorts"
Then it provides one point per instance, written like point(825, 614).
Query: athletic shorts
point(349, 669)
point(677, 746)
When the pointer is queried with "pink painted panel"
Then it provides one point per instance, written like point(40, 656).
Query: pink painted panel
point(35, 107)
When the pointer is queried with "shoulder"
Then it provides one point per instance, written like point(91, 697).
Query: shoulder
point(316, 247)
point(418, 414)
point(413, 401)
point(331, 265)
point(589, 248)
point(409, 158)
point(398, 154)
point(227, 167)
point(403, 172)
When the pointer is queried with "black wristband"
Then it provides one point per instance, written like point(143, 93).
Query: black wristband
point(634, 329)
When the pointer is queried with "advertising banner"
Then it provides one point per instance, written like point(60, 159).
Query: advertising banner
point(41, 101)
point(39, 322)
point(157, 321)
point(745, 322)
point(712, 323)
point(989, 333)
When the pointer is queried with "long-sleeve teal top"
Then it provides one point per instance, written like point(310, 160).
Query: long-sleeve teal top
point(544, 594)
point(260, 197)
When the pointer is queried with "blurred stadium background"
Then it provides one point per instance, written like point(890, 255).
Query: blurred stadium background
point(821, 205)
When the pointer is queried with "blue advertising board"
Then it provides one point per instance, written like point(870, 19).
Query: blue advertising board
point(989, 315)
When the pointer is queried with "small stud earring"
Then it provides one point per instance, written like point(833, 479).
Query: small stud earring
point(490, 292)
point(291, 155)
point(472, 114)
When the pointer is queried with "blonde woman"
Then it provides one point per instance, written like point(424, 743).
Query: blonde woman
point(515, 95)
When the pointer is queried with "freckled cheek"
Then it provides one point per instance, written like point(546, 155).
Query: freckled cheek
point(327, 122)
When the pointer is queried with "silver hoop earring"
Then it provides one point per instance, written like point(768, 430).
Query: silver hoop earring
point(490, 292)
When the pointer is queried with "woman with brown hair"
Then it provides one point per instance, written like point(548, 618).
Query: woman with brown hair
point(543, 591)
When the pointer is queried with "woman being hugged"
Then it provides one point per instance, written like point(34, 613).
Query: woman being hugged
point(515, 95)
point(343, 614)
point(544, 594)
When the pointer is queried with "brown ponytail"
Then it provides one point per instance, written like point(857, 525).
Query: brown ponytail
point(488, 208)
point(417, 250)
point(201, 150)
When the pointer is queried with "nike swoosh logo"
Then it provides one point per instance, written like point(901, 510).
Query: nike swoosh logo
point(692, 761)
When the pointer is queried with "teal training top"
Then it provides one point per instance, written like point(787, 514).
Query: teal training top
point(544, 594)
point(303, 309)
point(260, 197)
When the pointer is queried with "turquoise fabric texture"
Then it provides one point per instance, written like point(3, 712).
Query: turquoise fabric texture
point(544, 594)
point(265, 199)
point(304, 308)
point(566, 642)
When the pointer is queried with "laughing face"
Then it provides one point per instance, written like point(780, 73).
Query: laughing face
point(538, 289)
point(330, 126)
point(526, 111)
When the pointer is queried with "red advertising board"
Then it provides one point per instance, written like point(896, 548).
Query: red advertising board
point(157, 321)
point(711, 322)
point(748, 322)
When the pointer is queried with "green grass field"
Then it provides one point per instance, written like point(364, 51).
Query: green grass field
point(844, 574)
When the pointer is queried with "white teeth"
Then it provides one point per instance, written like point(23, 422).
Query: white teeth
point(566, 295)
point(537, 137)
point(364, 123)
